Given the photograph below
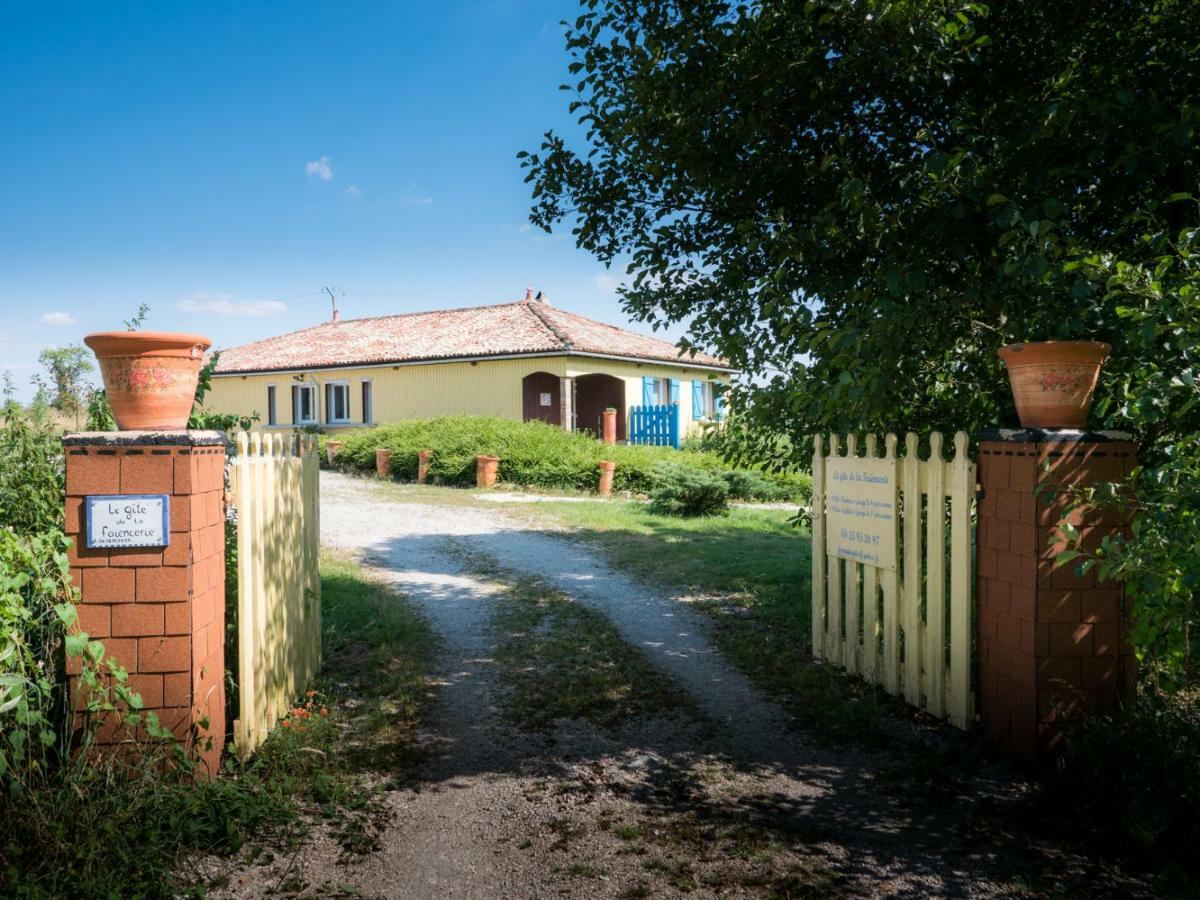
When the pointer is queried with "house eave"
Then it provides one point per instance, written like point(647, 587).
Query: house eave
point(435, 360)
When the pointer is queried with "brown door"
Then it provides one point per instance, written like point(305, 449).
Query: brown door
point(595, 393)
point(540, 398)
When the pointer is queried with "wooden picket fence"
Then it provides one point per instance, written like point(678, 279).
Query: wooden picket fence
point(908, 629)
point(275, 490)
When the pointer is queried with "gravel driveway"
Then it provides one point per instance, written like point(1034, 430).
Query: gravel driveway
point(504, 813)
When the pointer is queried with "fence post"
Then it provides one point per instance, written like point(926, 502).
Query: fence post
point(159, 610)
point(1053, 645)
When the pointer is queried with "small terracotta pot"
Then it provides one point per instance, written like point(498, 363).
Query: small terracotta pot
point(486, 468)
point(149, 376)
point(332, 449)
point(1053, 382)
point(606, 477)
point(383, 463)
point(610, 426)
point(423, 458)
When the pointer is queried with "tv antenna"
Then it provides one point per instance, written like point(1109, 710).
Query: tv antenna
point(334, 292)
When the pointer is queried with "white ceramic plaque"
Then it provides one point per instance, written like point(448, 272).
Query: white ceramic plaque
point(545, 398)
point(860, 514)
point(129, 520)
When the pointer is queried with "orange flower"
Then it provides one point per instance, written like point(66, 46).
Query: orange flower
point(311, 694)
point(324, 711)
point(285, 723)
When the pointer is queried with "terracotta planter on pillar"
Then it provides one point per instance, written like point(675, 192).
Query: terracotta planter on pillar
point(1053, 381)
point(423, 458)
point(610, 426)
point(332, 449)
point(606, 477)
point(383, 463)
point(149, 376)
point(486, 468)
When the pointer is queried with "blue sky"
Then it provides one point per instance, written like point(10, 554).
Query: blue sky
point(221, 162)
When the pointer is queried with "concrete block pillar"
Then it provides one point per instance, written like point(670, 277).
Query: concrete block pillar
point(160, 611)
point(1053, 646)
point(566, 401)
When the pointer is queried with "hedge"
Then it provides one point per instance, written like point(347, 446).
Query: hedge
point(534, 454)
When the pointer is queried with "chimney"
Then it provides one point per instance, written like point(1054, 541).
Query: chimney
point(337, 315)
point(528, 294)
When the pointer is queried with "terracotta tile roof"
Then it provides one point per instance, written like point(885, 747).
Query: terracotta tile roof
point(528, 326)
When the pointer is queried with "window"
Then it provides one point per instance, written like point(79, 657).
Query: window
point(272, 415)
point(366, 403)
point(304, 404)
point(706, 400)
point(337, 402)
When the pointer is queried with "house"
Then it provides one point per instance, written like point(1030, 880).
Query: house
point(522, 360)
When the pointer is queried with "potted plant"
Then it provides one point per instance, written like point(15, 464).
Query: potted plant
point(1053, 382)
point(149, 377)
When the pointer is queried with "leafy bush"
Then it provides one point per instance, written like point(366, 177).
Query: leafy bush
point(1132, 784)
point(31, 469)
point(684, 491)
point(538, 455)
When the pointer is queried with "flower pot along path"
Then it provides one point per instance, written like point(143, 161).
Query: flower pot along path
point(590, 741)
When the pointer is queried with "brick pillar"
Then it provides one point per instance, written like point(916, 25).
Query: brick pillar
point(160, 611)
point(566, 406)
point(1052, 645)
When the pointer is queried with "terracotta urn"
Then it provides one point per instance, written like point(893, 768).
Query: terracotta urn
point(332, 449)
point(606, 477)
point(149, 376)
point(383, 462)
point(423, 458)
point(486, 468)
point(1053, 382)
point(610, 426)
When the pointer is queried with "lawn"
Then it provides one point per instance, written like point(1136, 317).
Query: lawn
point(751, 572)
point(754, 556)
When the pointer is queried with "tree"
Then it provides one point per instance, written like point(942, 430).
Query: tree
point(66, 367)
point(858, 203)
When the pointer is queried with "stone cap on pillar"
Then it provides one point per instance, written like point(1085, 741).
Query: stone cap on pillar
point(179, 438)
point(1051, 435)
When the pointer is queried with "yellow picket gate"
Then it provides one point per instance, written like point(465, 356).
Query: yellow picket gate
point(891, 590)
point(276, 492)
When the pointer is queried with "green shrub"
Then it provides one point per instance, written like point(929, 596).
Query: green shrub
point(1131, 784)
point(535, 454)
point(31, 470)
point(685, 491)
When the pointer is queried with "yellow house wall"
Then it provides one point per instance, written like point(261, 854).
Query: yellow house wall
point(485, 388)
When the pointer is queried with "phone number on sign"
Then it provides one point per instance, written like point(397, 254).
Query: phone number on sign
point(858, 537)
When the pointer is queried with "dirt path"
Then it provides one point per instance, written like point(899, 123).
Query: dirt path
point(732, 801)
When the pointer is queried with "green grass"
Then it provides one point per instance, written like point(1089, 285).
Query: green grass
point(751, 571)
point(534, 454)
point(755, 555)
point(114, 827)
point(561, 661)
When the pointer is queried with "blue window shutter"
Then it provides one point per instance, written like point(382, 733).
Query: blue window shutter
point(697, 399)
point(647, 390)
point(674, 391)
point(719, 400)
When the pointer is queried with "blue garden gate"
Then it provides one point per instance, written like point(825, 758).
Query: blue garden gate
point(656, 424)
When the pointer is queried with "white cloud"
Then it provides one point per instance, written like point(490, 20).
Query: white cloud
point(58, 318)
point(354, 191)
point(225, 305)
point(319, 168)
point(418, 201)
